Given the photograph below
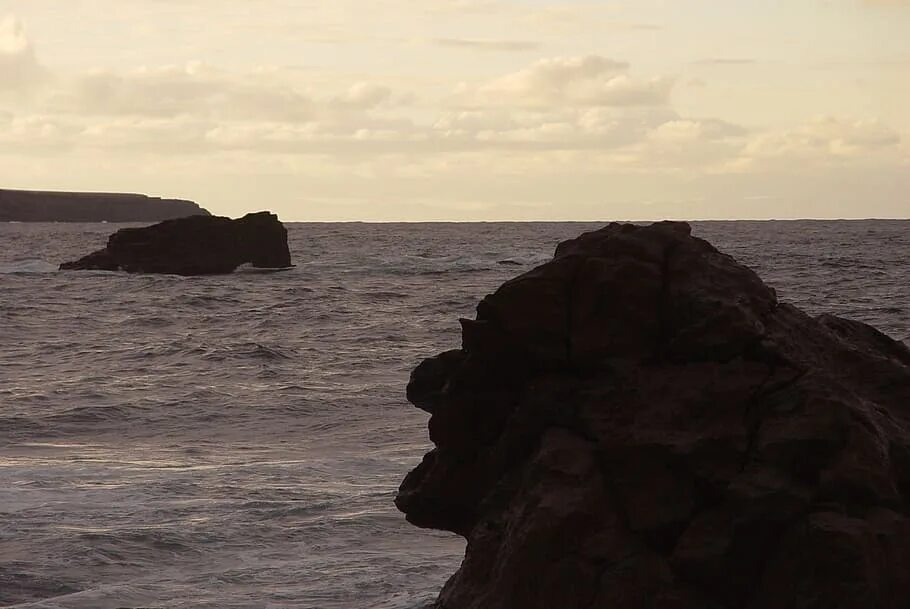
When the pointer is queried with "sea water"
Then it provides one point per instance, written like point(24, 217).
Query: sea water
point(236, 441)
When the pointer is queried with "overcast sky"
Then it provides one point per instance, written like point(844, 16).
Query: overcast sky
point(465, 109)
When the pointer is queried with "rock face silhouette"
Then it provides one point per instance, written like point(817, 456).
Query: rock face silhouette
point(639, 423)
point(38, 206)
point(196, 245)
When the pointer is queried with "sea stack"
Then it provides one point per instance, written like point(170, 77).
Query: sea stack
point(51, 206)
point(640, 423)
point(196, 245)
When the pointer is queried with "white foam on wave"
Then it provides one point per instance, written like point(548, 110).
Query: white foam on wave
point(249, 268)
point(28, 266)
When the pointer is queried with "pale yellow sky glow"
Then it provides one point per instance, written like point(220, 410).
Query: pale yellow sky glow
point(465, 109)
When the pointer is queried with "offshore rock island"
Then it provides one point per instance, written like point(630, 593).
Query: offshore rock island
point(50, 206)
point(640, 423)
point(195, 245)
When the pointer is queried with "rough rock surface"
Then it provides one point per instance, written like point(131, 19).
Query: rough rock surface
point(196, 245)
point(639, 423)
point(38, 206)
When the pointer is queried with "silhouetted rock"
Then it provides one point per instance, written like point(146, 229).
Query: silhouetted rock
point(639, 423)
point(196, 245)
point(37, 206)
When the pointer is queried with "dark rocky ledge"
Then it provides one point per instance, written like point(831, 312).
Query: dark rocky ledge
point(639, 423)
point(36, 206)
point(196, 245)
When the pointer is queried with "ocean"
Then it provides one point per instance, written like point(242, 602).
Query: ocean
point(236, 441)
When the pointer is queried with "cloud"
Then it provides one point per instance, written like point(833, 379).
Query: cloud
point(364, 96)
point(550, 107)
point(828, 136)
point(576, 81)
point(487, 45)
point(174, 91)
point(458, 6)
point(694, 130)
point(823, 142)
point(725, 61)
point(36, 133)
point(19, 67)
point(199, 90)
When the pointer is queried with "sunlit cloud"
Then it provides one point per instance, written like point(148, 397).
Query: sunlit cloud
point(582, 81)
point(19, 68)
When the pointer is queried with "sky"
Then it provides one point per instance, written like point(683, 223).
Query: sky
point(465, 110)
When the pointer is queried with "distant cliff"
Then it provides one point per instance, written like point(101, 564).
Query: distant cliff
point(35, 206)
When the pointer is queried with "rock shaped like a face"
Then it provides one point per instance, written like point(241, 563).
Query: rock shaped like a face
point(639, 423)
point(195, 245)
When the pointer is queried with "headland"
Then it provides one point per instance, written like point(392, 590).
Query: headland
point(55, 206)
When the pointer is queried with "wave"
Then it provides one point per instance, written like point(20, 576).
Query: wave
point(28, 266)
point(20, 587)
point(421, 265)
point(251, 350)
point(250, 269)
point(93, 414)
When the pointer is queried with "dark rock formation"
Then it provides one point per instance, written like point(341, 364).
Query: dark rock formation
point(639, 423)
point(196, 245)
point(35, 206)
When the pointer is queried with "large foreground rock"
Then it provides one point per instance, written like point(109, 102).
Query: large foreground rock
point(639, 423)
point(196, 245)
point(49, 206)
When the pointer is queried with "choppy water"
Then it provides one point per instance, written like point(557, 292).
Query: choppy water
point(236, 441)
